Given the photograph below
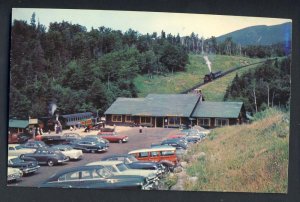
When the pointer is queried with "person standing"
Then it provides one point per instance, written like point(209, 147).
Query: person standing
point(141, 129)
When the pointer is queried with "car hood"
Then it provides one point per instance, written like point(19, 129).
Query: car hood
point(11, 171)
point(26, 163)
point(26, 150)
point(143, 164)
point(145, 173)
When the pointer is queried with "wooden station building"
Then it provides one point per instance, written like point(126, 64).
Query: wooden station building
point(174, 110)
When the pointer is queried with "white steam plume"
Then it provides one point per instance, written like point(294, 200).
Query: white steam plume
point(52, 108)
point(207, 62)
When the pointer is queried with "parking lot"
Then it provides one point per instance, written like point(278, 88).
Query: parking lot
point(136, 141)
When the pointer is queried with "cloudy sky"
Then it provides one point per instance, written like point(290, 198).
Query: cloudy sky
point(146, 22)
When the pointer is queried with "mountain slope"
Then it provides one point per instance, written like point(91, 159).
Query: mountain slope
point(261, 34)
point(244, 158)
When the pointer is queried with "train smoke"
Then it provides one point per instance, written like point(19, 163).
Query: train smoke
point(207, 62)
point(52, 108)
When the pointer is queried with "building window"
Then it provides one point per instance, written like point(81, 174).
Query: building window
point(116, 118)
point(145, 119)
point(222, 122)
point(128, 118)
point(174, 120)
point(203, 121)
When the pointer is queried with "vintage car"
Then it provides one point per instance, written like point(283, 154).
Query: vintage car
point(69, 137)
point(113, 137)
point(34, 144)
point(119, 168)
point(18, 138)
point(13, 174)
point(48, 156)
point(188, 138)
point(53, 139)
point(133, 163)
point(18, 150)
point(90, 146)
point(178, 143)
point(96, 138)
point(94, 177)
point(26, 165)
point(72, 154)
point(164, 155)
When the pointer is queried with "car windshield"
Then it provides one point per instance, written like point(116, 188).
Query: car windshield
point(16, 160)
point(122, 167)
point(131, 159)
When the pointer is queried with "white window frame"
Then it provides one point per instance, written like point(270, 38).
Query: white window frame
point(199, 120)
point(145, 119)
point(221, 119)
point(114, 116)
point(128, 121)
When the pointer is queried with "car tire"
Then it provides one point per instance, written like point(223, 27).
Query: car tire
point(50, 163)
point(120, 141)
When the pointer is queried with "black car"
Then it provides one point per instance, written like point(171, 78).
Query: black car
point(133, 163)
point(54, 139)
point(89, 146)
point(178, 143)
point(49, 156)
point(95, 177)
point(26, 165)
point(34, 144)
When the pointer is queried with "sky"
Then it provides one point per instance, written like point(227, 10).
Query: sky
point(146, 22)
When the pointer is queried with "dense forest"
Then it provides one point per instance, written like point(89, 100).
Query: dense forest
point(266, 86)
point(82, 70)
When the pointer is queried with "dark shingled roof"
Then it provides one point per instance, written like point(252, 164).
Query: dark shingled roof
point(125, 106)
point(218, 109)
point(156, 105)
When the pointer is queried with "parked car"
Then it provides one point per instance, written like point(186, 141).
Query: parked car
point(48, 156)
point(72, 154)
point(26, 165)
point(90, 146)
point(71, 137)
point(18, 150)
point(94, 177)
point(53, 139)
point(34, 144)
point(164, 155)
point(18, 138)
point(96, 138)
point(103, 130)
point(114, 137)
point(13, 174)
point(178, 143)
point(133, 163)
point(119, 168)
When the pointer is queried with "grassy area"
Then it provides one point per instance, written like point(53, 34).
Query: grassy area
point(244, 158)
point(195, 71)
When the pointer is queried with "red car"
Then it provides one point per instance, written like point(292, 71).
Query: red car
point(113, 137)
point(176, 136)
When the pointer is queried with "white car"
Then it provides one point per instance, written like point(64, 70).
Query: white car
point(119, 168)
point(68, 151)
point(18, 150)
point(13, 174)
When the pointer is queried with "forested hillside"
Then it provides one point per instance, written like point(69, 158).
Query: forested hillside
point(266, 86)
point(81, 70)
